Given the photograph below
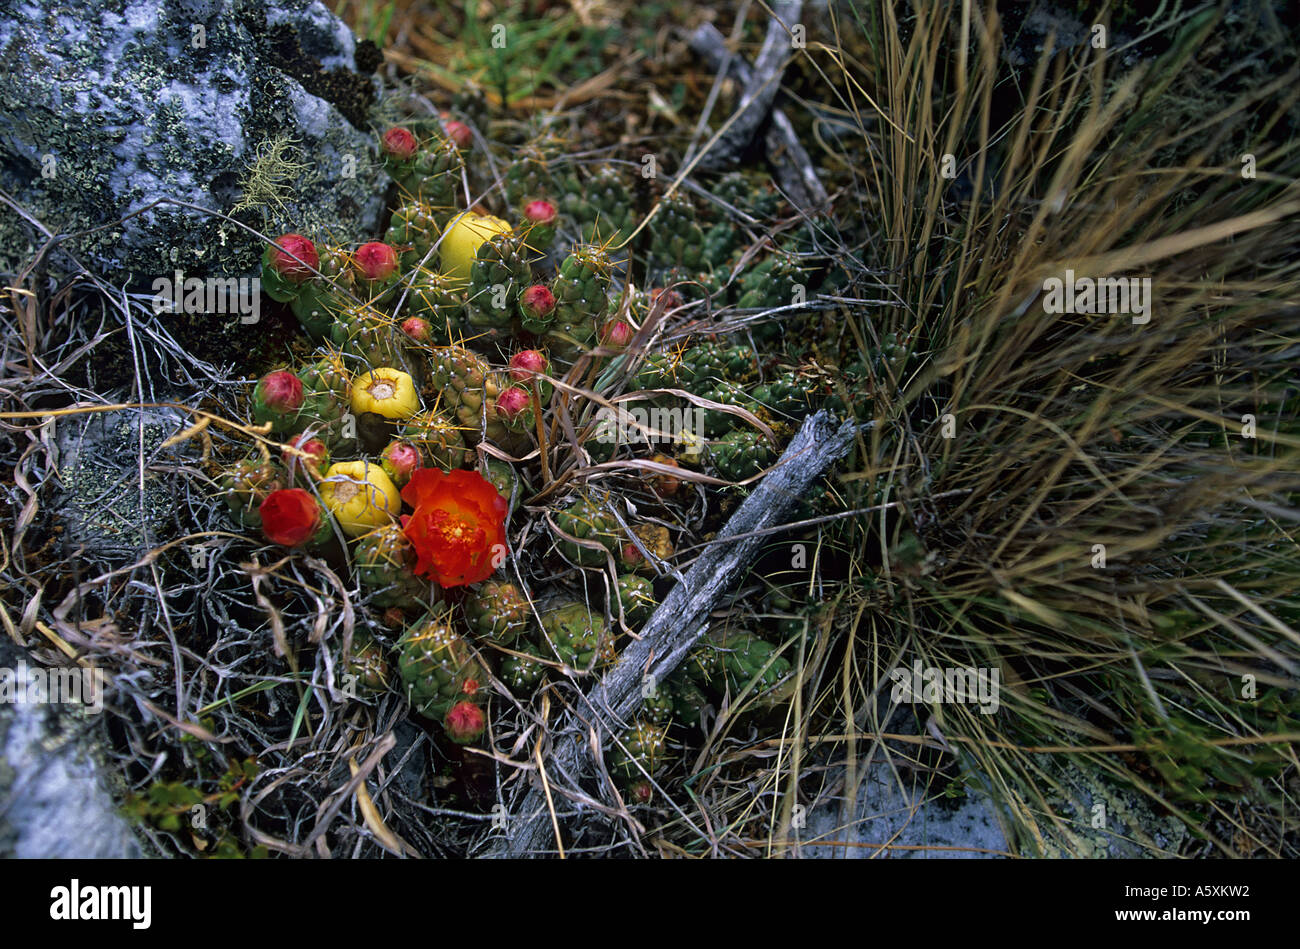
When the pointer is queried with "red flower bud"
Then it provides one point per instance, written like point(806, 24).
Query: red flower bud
point(672, 299)
point(528, 363)
point(540, 212)
point(375, 261)
point(293, 257)
point(512, 402)
point(537, 301)
point(313, 447)
point(280, 392)
point(290, 516)
point(399, 143)
point(399, 461)
point(464, 723)
point(616, 334)
point(458, 132)
point(418, 329)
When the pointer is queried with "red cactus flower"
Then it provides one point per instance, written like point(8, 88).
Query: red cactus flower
point(464, 723)
point(537, 301)
point(540, 212)
point(290, 516)
point(527, 363)
point(375, 261)
point(399, 143)
point(458, 526)
point(293, 258)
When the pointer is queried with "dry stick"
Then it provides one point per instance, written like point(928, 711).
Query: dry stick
point(680, 620)
point(794, 169)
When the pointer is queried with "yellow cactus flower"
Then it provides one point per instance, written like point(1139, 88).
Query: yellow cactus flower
point(360, 496)
point(461, 242)
point(387, 392)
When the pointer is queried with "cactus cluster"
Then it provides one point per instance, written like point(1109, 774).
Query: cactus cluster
point(438, 352)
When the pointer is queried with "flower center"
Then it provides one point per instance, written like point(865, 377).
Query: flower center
point(457, 531)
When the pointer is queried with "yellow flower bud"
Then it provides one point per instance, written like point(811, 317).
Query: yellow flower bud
point(387, 392)
point(360, 496)
point(461, 242)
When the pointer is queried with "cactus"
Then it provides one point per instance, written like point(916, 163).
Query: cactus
point(468, 387)
point(602, 207)
point(575, 635)
point(413, 230)
point(320, 298)
point(785, 394)
point(641, 750)
point(370, 339)
point(502, 476)
point(498, 611)
point(527, 178)
point(676, 237)
point(522, 673)
point(367, 667)
point(438, 667)
point(245, 485)
point(327, 395)
point(581, 299)
point(277, 401)
point(637, 597)
point(659, 706)
point(741, 453)
point(440, 441)
point(498, 275)
point(440, 300)
point(751, 662)
point(287, 265)
point(384, 561)
point(538, 225)
point(587, 519)
point(772, 283)
point(434, 178)
point(717, 422)
point(687, 698)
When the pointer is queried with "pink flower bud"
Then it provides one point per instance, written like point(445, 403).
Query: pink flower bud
point(375, 261)
point(293, 257)
point(399, 143)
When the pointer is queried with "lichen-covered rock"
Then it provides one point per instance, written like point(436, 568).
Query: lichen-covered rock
point(107, 106)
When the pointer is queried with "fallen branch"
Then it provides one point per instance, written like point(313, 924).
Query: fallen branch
point(794, 169)
point(677, 624)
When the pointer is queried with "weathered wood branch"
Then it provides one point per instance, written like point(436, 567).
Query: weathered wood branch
point(794, 168)
point(676, 625)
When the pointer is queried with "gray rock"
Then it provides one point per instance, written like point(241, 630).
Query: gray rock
point(903, 822)
point(105, 515)
point(109, 105)
point(54, 800)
